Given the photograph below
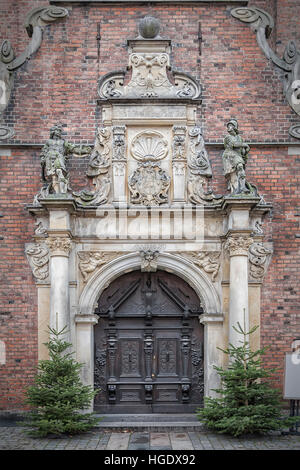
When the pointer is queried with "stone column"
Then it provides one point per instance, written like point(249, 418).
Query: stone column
point(237, 247)
point(60, 247)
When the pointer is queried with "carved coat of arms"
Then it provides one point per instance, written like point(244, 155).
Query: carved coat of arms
point(149, 184)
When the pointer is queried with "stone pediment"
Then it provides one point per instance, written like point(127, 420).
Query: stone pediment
point(149, 72)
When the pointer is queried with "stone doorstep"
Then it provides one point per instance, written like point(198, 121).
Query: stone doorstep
point(150, 422)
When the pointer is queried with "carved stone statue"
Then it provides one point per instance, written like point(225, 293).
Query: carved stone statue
point(235, 158)
point(54, 157)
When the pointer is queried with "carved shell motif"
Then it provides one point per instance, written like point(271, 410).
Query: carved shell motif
point(149, 145)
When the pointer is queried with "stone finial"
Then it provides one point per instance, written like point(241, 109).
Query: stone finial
point(149, 27)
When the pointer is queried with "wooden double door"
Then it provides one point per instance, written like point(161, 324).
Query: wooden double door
point(148, 346)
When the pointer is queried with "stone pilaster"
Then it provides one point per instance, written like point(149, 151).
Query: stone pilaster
point(59, 247)
point(85, 347)
point(213, 339)
point(237, 247)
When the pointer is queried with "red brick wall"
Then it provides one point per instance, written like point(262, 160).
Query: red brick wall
point(60, 84)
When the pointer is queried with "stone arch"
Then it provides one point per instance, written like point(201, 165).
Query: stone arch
point(178, 265)
point(199, 281)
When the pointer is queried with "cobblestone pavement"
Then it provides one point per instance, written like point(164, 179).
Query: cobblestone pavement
point(13, 438)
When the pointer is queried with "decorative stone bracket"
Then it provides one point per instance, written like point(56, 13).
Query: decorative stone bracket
point(262, 23)
point(35, 22)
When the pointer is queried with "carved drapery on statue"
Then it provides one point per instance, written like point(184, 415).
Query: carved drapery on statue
point(54, 157)
point(235, 158)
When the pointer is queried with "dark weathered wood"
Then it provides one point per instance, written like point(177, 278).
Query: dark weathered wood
point(148, 345)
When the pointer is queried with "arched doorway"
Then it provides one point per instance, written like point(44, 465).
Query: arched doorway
point(148, 345)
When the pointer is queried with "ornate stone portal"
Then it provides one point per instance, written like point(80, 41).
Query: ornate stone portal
point(151, 208)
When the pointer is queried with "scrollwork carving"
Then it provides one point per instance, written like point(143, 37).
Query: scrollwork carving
point(200, 172)
point(38, 257)
point(35, 22)
point(258, 257)
point(262, 23)
point(99, 164)
point(149, 74)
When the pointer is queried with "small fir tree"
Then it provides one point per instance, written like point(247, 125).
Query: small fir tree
point(247, 403)
point(58, 397)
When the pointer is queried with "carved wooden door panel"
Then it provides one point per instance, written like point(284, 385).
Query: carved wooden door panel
point(148, 346)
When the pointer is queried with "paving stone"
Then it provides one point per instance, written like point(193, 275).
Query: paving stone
point(139, 441)
point(181, 441)
point(159, 439)
point(118, 441)
point(15, 439)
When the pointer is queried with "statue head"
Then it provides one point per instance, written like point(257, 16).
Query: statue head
point(56, 131)
point(232, 126)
